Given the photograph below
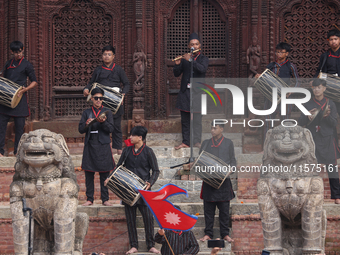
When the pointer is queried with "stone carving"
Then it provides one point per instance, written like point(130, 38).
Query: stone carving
point(137, 121)
point(45, 177)
point(291, 201)
point(139, 63)
point(254, 57)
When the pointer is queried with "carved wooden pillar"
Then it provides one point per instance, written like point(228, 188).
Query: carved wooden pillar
point(139, 67)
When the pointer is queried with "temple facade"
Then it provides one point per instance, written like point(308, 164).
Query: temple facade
point(63, 40)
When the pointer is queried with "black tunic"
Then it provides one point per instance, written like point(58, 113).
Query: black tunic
point(286, 70)
point(180, 242)
point(18, 71)
point(329, 63)
point(111, 76)
point(224, 151)
point(326, 148)
point(200, 66)
point(140, 163)
point(97, 155)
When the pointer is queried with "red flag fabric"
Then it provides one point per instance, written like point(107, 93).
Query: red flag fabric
point(167, 216)
point(128, 142)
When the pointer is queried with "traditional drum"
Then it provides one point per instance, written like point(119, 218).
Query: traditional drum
point(125, 184)
point(8, 93)
point(333, 86)
point(318, 114)
point(112, 98)
point(267, 81)
point(211, 169)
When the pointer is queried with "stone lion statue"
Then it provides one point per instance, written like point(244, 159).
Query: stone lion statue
point(45, 177)
point(290, 196)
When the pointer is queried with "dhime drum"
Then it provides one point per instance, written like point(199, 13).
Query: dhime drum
point(211, 169)
point(112, 98)
point(333, 86)
point(267, 81)
point(8, 93)
point(125, 184)
point(318, 115)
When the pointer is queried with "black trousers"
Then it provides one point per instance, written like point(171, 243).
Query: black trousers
point(197, 129)
point(334, 183)
point(89, 179)
point(209, 214)
point(130, 213)
point(117, 135)
point(19, 125)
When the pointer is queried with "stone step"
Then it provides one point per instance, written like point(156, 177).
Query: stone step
point(198, 232)
point(170, 152)
point(179, 157)
point(203, 246)
point(174, 139)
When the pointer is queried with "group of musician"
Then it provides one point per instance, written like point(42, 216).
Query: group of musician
point(98, 123)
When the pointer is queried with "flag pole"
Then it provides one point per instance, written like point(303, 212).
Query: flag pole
point(169, 244)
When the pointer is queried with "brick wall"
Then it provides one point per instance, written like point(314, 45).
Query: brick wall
point(107, 235)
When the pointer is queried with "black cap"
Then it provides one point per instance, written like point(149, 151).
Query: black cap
point(97, 90)
point(193, 36)
point(317, 82)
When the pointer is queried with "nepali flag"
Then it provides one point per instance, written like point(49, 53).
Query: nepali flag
point(166, 215)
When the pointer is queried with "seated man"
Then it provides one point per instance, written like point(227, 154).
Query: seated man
point(181, 242)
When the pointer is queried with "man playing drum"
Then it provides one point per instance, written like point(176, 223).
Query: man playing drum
point(330, 60)
point(183, 66)
point(287, 71)
point(140, 159)
point(326, 148)
point(222, 148)
point(97, 156)
point(16, 70)
point(111, 75)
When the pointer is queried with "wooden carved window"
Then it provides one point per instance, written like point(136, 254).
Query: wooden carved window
point(305, 28)
point(211, 29)
point(204, 18)
point(80, 31)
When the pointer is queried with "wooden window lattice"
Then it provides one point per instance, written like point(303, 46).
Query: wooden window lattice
point(213, 32)
point(80, 32)
point(306, 28)
point(179, 31)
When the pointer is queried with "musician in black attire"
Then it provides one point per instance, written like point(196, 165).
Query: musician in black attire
point(287, 71)
point(324, 132)
point(111, 75)
point(183, 66)
point(97, 156)
point(140, 159)
point(330, 60)
point(181, 242)
point(222, 148)
point(16, 70)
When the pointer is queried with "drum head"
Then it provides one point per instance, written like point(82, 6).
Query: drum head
point(16, 99)
point(125, 184)
point(201, 166)
point(89, 95)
